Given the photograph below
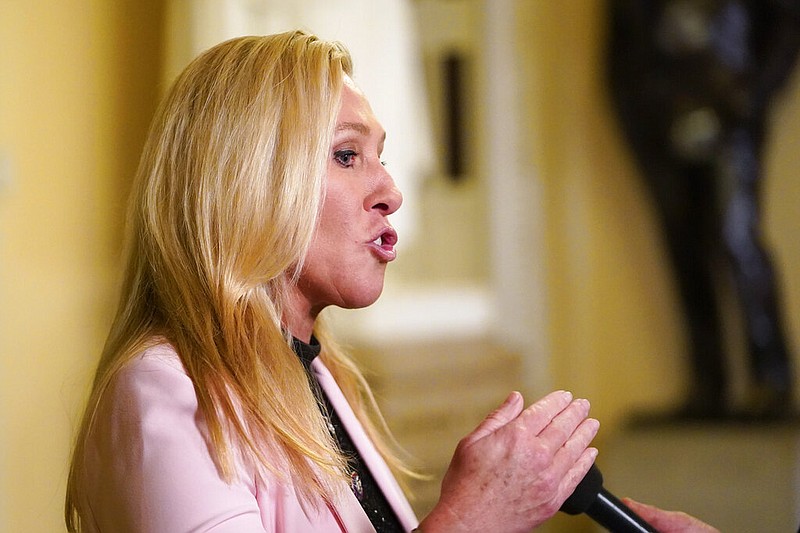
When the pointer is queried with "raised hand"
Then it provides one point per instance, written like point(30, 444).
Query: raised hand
point(517, 467)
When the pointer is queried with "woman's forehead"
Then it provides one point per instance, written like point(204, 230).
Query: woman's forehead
point(355, 112)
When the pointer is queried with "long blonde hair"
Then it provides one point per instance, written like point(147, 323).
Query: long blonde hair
point(222, 212)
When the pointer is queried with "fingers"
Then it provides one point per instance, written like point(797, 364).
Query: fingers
point(574, 457)
point(564, 424)
point(642, 509)
point(576, 472)
point(564, 438)
point(658, 518)
point(508, 411)
point(571, 432)
point(519, 465)
point(669, 521)
point(539, 415)
point(556, 426)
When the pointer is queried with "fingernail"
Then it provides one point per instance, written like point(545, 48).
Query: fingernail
point(583, 402)
point(512, 398)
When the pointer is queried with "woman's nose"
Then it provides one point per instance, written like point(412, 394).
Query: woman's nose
point(386, 198)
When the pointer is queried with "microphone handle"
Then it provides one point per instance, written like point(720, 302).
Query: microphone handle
point(615, 516)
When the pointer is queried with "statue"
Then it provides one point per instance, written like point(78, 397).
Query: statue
point(692, 82)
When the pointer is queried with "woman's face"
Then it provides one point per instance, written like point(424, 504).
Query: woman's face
point(354, 240)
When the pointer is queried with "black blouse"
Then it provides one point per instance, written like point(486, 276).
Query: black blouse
point(363, 485)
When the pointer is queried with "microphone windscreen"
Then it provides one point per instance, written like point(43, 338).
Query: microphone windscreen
point(585, 493)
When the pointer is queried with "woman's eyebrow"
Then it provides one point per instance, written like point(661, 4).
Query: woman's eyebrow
point(360, 127)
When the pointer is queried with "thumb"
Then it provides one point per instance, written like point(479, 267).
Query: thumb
point(668, 520)
point(508, 411)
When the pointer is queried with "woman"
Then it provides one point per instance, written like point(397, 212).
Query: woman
point(220, 402)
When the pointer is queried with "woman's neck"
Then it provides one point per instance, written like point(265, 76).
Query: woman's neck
point(298, 319)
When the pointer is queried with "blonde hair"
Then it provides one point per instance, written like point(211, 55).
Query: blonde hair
point(222, 212)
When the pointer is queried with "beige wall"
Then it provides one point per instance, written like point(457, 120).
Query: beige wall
point(78, 88)
point(452, 248)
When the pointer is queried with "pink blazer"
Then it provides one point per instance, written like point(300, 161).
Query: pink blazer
point(148, 466)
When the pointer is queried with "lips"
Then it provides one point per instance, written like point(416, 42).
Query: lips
point(383, 244)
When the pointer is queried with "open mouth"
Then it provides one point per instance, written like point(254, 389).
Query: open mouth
point(384, 245)
point(387, 239)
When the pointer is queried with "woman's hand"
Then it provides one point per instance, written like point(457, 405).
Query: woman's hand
point(669, 521)
point(516, 469)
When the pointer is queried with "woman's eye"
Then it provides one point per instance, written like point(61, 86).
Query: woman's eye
point(345, 157)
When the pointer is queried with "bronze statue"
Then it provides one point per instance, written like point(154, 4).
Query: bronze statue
point(692, 82)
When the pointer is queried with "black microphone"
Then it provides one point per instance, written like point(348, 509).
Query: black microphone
point(603, 507)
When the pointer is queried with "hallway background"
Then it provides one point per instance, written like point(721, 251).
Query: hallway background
point(541, 267)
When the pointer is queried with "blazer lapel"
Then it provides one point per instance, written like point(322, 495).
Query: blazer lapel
point(377, 466)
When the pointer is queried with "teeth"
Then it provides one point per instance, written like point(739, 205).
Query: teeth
point(377, 241)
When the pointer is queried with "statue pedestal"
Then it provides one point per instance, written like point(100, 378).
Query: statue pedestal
point(737, 477)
